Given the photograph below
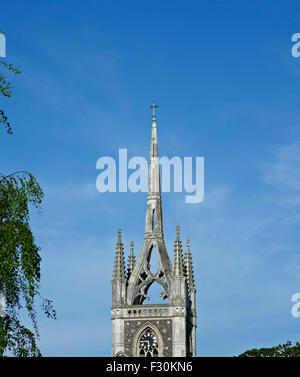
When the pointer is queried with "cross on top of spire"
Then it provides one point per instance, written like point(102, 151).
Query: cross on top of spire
point(153, 107)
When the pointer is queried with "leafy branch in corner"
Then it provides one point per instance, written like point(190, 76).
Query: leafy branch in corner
point(20, 264)
point(19, 255)
point(5, 89)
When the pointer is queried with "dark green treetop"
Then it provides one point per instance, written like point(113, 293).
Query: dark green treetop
point(282, 350)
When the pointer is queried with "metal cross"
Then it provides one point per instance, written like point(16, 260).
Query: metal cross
point(153, 106)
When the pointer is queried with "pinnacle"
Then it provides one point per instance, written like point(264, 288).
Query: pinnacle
point(131, 260)
point(189, 266)
point(178, 259)
point(119, 265)
point(119, 236)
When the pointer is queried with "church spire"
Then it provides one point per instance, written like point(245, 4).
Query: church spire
point(153, 238)
point(131, 260)
point(154, 224)
point(189, 266)
point(131, 320)
point(119, 267)
point(178, 259)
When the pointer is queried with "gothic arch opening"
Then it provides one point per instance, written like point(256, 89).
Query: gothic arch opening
point(148, 342)
point(153, 220)
point(156, 294)
point(153, 260)
point(155, 266)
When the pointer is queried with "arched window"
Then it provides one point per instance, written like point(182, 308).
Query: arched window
point(153, 220)
point(148, 344)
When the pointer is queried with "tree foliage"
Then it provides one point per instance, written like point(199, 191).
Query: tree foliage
point(282, 350)
point(19, 255)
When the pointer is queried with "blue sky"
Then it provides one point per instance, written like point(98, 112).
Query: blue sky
point(228, 89)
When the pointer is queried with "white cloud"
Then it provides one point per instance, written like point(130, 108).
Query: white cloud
point(284, 174)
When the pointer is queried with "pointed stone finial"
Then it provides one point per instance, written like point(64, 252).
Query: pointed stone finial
point(178, 267)
point(119, 236)
point(131, 260)
point(119, 265)
point(189, 271)
point(188, 245)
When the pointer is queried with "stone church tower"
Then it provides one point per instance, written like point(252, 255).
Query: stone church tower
point(153, 330)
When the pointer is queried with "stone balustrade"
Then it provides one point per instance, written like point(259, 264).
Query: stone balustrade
point(143, 311)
